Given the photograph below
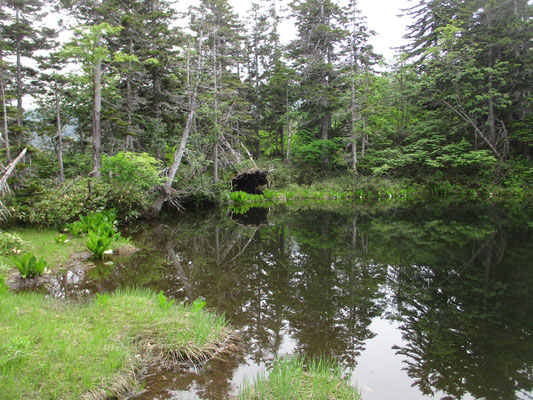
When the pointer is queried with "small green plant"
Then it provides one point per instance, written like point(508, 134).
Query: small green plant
point(76, 228)
point(61, 238)
point(268, 194)
point(164, 303)
point(238, 197)
point(98, 222)
point(198, 305)
point(102, 299)
point(99, 243)
point(28, 265)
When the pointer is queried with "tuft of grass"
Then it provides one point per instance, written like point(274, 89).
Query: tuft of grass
point(42, 242)
point(291, 379)
point(96, 350)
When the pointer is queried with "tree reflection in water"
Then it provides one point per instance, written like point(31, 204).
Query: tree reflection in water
point(309, 280)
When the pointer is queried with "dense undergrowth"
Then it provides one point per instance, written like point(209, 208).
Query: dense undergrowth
point(130, 181)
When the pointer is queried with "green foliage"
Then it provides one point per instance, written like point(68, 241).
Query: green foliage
point(311, 153)
point(101, 222)
point(198, 305)
point(101, 338)
point(291, 378)
point(241, 202)
point(102, 299)
point(99, 243)
point(243, 197)
point(77, 228)
point(163, 302)
point(268, 194)
point(3, 286)
point(11, 243)
point(138, 171)
point(57, 205)
point(43, 242)
point(28, 265)
point(61, 238)
point(101, 232)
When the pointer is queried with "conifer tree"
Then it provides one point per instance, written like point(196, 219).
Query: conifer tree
point(320, 31)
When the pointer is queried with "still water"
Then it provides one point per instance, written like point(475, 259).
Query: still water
point(418, 302)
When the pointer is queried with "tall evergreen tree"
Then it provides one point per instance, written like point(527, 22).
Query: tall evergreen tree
point(475, 58)
point(24, 38)
point(320, 31)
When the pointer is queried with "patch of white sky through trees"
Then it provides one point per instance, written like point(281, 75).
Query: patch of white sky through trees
point(382, 17)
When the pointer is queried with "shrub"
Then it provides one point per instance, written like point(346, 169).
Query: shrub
point(138, 171)
point(56, 205)
point(11, 243)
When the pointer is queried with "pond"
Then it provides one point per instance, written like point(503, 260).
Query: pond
point(418, 302)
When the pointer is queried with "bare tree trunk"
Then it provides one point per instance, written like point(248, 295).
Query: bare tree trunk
point(59, 138)
point(5, 129)
point(9, 170)
point(97, 110)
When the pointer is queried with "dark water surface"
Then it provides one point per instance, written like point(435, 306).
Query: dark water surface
point(419, 302)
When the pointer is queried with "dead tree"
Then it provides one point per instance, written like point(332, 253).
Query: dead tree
point(4, 187)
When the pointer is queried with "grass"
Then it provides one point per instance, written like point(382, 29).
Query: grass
point(336, 190)
point(50, 245)
point(96, 350)
point(42, 243)
point(290, 379)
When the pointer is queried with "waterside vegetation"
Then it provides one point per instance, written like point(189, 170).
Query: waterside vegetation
point(98, 349)
point(452, 114)
point(294, 379)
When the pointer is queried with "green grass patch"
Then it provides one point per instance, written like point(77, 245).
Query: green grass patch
point(42, 243)
point(51, 349)
point(291, 379)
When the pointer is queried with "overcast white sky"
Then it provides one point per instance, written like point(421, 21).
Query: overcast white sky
point(382, 17)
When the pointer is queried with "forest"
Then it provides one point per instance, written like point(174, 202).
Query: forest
point(361, 228)
point(169, 106)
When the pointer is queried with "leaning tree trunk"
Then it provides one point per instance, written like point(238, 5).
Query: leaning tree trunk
point(59, 139)
point(178, 155)
point(4, 188)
